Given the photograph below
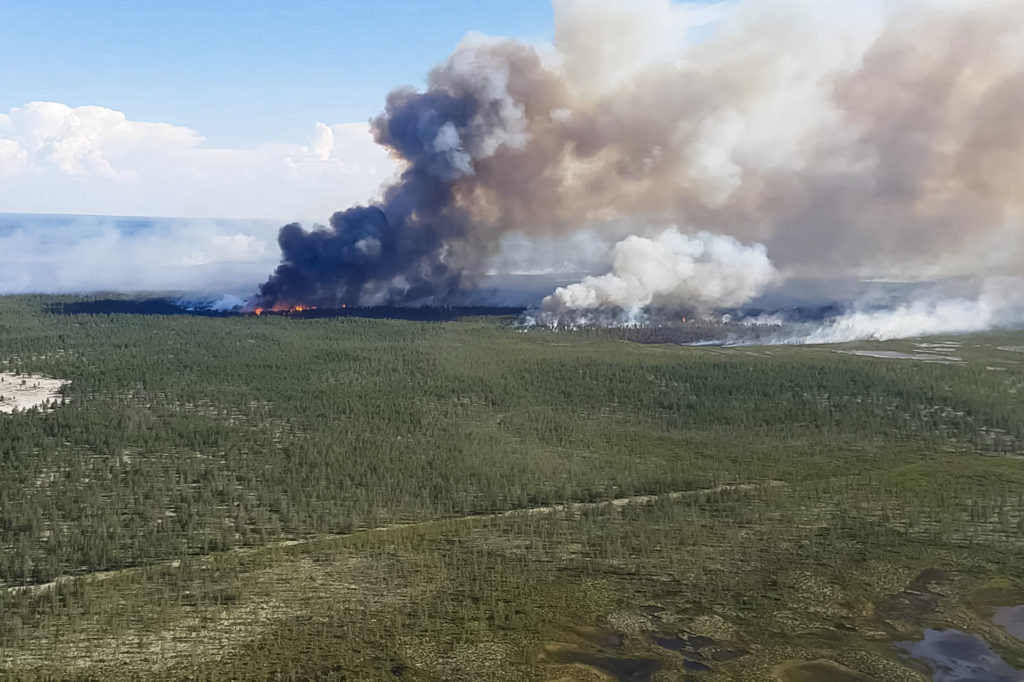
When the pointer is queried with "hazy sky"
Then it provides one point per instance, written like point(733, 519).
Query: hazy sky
point(240, 73)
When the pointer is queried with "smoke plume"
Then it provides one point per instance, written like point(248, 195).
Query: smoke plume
point(999, 304)
point(671, 271)
point(866, 139)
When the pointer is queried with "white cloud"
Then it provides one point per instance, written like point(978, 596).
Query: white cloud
point(59, 159)
point(94, 160)
point(12, 156)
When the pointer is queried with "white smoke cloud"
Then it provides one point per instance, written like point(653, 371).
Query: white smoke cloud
point(93, 160)
point(501, 120)
point(854, 140)
point(699, 272)
point(866, 139)
point(603, 45)
point(999, 304)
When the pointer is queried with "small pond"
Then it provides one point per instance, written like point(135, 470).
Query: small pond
point(956, 656)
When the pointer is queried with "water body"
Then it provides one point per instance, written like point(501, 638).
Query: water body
point(818, 671)
point(956, 656)
point(684, 645)
point(1011, 619)
point(608, 659)
point(621, 668)
point(696, 649)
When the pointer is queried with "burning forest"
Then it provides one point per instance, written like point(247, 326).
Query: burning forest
point(870, 142)
point(488, 423)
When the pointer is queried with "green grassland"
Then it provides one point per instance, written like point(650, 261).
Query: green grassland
point(369, 499)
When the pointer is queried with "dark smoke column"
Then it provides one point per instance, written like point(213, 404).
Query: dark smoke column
point(430, 232)
point(394, 251)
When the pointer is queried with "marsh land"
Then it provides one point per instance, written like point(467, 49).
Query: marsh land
point(252, 498)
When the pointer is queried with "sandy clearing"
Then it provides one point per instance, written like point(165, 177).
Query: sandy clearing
point(897, 355)
point(25, 391)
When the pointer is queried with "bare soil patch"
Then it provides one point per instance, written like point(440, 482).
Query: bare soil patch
point(25, 391)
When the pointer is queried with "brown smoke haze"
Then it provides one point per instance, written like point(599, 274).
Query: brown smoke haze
point(867, 141)
point(737, 143)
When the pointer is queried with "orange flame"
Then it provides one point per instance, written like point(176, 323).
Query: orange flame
point(283, 309)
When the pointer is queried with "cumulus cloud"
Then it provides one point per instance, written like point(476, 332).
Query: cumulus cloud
point(94, 160)
point(89, 159)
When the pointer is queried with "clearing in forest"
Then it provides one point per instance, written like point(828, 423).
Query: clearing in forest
point(25, 391)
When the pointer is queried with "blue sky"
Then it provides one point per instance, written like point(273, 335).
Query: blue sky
point(248, 109)
point(240, 73)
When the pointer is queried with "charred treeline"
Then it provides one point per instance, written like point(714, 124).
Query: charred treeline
point(169, 306)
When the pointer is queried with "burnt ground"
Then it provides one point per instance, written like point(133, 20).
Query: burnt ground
point(170, 306)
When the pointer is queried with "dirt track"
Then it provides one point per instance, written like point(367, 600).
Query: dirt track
point(547, 509)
